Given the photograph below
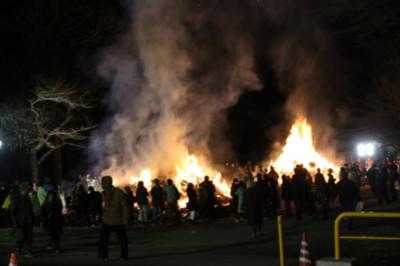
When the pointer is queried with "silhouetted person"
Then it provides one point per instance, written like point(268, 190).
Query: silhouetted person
point(192, 204)
point(372, 178)
point(273, 174)
point(331, 184)
point(392, 178)
point(286, 194)
point(115, 218)
point(157, 200)
point(272, 193)
point(322, 192)
point(172, 195)
point(22, 217)
point(382, 183)
point(130, 201)
point(241, 206)
point(254, 208)
point(142, 201)
point(234, 198)
point(348, 194)
point(210, 199)
point(300, 191)
point(95, 201)
point(82, 206)
point(53, 220)
point(37, 209)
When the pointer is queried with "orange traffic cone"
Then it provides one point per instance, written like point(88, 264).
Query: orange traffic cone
point(13, 259)
point(304, 259)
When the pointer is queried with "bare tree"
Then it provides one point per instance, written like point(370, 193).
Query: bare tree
point(55, 116)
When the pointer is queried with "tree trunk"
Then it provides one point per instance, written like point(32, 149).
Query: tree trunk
point(34, 166)
point(58, 168)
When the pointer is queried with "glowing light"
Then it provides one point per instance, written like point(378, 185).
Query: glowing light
point(366, 149)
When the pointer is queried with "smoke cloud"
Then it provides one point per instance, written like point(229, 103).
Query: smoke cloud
point(308, 68)
point(182, 64)
point(173, 74)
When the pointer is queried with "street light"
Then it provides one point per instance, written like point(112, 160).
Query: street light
point(1, 144)
point(366, 149)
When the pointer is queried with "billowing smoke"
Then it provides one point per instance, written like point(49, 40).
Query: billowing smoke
point(182, 64)
point(173, 74)
point(307, 66)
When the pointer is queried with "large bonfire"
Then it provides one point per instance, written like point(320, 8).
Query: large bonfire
point(188, 170)
point(299, 149)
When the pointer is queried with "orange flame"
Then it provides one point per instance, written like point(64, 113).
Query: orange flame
point(299, 149)
point(188, 170)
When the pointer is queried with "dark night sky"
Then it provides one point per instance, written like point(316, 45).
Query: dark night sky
point(49, 38)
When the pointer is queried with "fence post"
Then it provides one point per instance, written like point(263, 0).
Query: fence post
point(280, 237)
point(336, 236)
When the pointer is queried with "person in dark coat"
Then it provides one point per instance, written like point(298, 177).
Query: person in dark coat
point(142, 201)
point(322, 192)
point(234, 198)
point(22, 216)
point(192, 204)
point(157, 200)
point(392, 179)
point(286, 194)
point(348, 194)
point(82, 206)
point(130, 201)
point(331, 184)
point(53, 220)
point(272, 193)
point(203, 208)
point(382, 184)
point(372, 176)
point(95, 201)
point(255, 208)
point(300, 191)
point(211, 200)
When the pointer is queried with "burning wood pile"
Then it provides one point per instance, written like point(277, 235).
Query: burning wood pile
point(298, 150)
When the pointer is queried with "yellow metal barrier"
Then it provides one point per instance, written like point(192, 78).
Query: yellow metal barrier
point(343, 215)
point(280, 237)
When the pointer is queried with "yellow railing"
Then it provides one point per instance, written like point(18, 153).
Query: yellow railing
point(343, 215)
point(280, 239)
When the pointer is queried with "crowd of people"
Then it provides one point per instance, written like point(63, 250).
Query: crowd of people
point(254, 197)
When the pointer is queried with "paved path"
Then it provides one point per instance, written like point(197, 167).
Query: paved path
point(222, 243)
